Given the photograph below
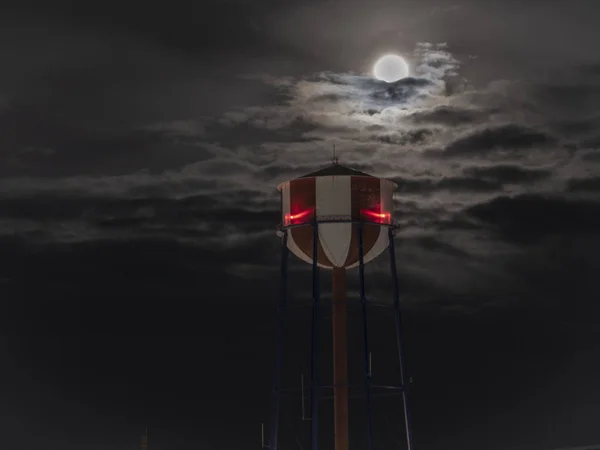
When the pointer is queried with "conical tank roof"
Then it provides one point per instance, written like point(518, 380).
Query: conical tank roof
point(336, 169)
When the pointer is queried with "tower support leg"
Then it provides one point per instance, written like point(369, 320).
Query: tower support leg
point(400, 340)
point(279, 350)
point(314, 389)
point(339, 324)
point(363, 301)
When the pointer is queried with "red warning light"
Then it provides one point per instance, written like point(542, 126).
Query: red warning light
point(298, 218)
point(376, 216)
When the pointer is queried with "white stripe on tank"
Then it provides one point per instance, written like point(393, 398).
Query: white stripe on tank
point(333, 198)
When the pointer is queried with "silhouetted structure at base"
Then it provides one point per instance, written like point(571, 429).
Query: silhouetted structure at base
point(144, 440)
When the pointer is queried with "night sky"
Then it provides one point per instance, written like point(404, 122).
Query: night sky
point(140, 147)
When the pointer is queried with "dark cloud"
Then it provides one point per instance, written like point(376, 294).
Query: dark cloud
point(198, 220)
point(409, 137)
point(593, 156)
point(507, 137)
point(508, 174)
point(591, 142)
point(111, 272)
point(466, 184)
point(102, 155)
point(576, 127)
point(581, 96)
point(251, 130)
point(450, 116)
point(586, 184)
point(401, 91)
point(528, 218)
point(474, 179)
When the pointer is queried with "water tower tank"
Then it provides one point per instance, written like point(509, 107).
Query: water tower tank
point(337, 193)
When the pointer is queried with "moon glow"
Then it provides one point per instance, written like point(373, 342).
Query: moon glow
point(390, 68)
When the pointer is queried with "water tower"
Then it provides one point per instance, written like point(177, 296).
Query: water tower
point(336, 219)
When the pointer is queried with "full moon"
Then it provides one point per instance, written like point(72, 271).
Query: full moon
point(390, 68)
